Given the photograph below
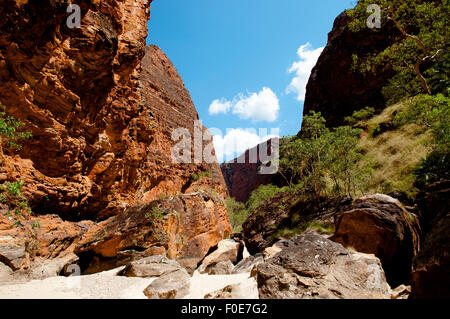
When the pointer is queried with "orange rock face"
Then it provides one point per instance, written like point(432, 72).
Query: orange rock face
point(102, 108)
point(183, 227)
point(27, 241)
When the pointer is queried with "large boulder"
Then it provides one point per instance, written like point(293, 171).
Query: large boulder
point(153, 266)
point(6, 274)
point(220, 268)
point(431, 266)
point(247, 264)
point(288, 210)
point(12, 252)
point(173, 285)
point(380, 225)
point(227, 251)
point(311, 266)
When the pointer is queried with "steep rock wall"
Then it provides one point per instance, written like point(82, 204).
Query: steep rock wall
point(334, 88)
point(101, 106)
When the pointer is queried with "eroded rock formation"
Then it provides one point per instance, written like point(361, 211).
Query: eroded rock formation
point(38, 247)
point(101, 106)
point(183, 227)
point(76, 91)
point(245, 174)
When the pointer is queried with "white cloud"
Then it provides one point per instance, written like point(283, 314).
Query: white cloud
point(219, 106)
point(302, 69)
point(261, 106)
point(237, 141)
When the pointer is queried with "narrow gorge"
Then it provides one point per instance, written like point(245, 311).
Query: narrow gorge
point(93, 203)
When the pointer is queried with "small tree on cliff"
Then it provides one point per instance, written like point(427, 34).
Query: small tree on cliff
point(423, 39)
point(302, 159)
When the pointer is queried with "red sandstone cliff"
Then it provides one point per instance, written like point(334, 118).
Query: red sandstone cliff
point(243, 175)
point(101, 107)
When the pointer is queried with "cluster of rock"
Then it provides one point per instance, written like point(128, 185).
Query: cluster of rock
point(403, 247)
point(306, 266)
point(173, 281)
point(184, 227)
point(377, 244)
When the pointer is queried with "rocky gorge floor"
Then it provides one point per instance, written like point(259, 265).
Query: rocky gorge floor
point(307, 266)
point(378, 249)
point(151, 277)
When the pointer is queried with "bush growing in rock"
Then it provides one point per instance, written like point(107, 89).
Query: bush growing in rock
point(9, 130)
point(11, 192)
point(239, 212)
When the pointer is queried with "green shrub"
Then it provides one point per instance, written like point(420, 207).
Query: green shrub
point(320, 153)
point(318, 226)
point(263, 193)
point(11, 195)
point(360, 115)
point(431, 112)
point(197, 176)
point(237, 212)
point(435, 167)
point(155, 214)
point(9, 130)
point(11, 192)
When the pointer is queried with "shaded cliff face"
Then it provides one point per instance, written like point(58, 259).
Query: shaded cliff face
point(430, 275)
point(334, 88)
point(100, 106)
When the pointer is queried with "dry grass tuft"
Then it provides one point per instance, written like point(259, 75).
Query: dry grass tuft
point(395, 154)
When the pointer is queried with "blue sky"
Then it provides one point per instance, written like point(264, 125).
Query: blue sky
point(240, 60)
